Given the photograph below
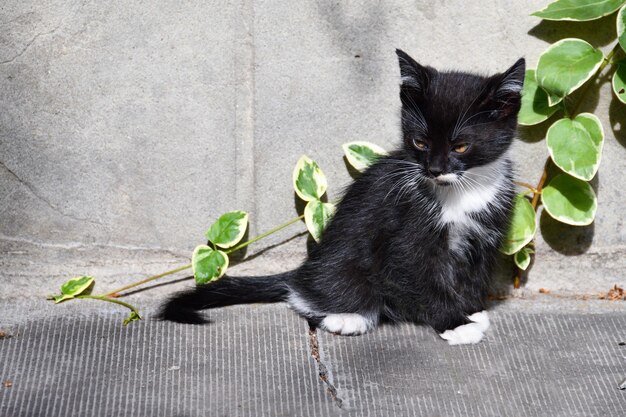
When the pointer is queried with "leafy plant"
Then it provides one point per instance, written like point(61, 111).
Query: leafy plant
point(362, 154)
point(575, 140)
point(81, 287)
point(210, 263)
point(310, 184)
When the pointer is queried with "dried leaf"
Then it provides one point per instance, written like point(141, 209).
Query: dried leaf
point(614, 294)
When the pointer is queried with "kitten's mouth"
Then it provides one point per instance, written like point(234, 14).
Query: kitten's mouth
point(446, 179)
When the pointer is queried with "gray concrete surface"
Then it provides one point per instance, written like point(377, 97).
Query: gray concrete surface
point(76, 360)
point(127, 127)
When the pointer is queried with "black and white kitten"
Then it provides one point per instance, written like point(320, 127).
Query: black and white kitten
point(416, 236)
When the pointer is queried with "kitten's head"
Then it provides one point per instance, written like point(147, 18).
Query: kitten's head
point(454, 121)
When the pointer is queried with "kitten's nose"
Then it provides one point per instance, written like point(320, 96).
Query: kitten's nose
point(435, 170)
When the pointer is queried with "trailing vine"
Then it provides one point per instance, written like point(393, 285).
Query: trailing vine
point(210, 261)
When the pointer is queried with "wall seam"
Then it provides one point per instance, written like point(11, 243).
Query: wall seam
point(245, 181)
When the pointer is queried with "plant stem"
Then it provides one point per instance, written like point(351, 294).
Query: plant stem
point(526, 185)
point(115, 293)
point(539, 188)
point(517, 281)
point(110, 300)
point(259, 237)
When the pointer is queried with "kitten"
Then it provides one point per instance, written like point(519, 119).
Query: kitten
point(415, 237)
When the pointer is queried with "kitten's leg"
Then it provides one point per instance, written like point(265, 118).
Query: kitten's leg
point(348, 324)
point(472, 301)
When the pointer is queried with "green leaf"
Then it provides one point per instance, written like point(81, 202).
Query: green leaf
point(522, 228)
point(208, 264)
point(570, 200)
point(565, 66)
point(317, 215)
point(73, 288)
point(576, 145)
point(133, 316)
point(522, 258)
point(535, 108)
point(362, 154)
point(578, 10)
point(621, 27)
point(228, 229)
point(309, 181)
point(619, 81)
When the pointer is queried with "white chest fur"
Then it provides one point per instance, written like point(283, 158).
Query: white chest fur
point(472, 193)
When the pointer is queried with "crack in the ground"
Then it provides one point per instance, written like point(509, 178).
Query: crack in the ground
point(322, 370)
point(38, 35)
point(40, 197)
point(28, 44)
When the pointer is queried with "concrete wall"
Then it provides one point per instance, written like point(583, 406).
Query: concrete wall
point(126, 127)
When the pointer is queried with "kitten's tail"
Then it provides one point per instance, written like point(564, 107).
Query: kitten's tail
point(183, 307)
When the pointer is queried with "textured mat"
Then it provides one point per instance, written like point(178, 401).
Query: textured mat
point(528, 365)
point(252, 361)
point(257, 361)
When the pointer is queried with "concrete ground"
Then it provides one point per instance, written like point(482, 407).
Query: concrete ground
point(543, 356)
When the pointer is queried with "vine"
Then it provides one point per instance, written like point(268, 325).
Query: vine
point(575, 140)
point(210, 261)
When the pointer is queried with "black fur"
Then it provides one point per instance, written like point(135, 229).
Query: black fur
point(183, 307)
point(386, 253)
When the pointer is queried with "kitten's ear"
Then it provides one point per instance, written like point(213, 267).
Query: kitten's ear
point(512, 80)
point(507, 89)
point(413, 74)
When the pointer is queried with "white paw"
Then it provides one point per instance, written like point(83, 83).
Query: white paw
point(465, 334)
point(481, 318)
point(347, 324)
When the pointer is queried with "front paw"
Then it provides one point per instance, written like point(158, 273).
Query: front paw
point(346, 324)
point(481, 318)
point(470, 333)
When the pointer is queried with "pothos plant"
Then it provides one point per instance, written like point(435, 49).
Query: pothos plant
point(210, 261)
point(574, 140)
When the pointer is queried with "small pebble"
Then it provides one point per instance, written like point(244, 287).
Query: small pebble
point(622, 385)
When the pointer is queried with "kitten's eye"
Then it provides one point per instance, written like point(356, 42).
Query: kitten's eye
point(422, 146)
point(461, 148)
